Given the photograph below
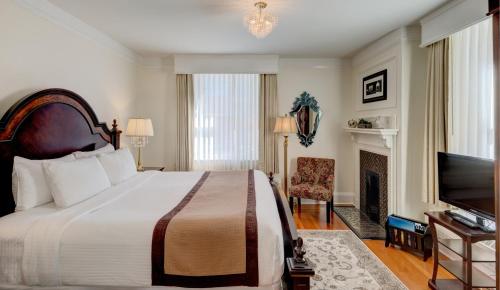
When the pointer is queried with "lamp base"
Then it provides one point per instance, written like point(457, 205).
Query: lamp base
point(139, 161)
point(285, 165)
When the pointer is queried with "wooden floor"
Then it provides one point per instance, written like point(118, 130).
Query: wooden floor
point(410, 269)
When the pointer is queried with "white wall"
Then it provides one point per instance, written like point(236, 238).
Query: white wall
point(36, 53)
point(328, 80)
point(156, 99)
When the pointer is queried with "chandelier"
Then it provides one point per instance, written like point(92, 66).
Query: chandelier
point(260, 23)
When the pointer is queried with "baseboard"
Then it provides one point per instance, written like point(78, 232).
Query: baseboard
point(343, 204)
point(343, 198)
point(339, 199)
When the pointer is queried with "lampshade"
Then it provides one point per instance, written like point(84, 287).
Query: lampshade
point(285, 125)
point(139, 127)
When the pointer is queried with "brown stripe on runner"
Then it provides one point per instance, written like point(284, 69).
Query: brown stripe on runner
point(252, 234)
point(158, 248)
point(251, 275)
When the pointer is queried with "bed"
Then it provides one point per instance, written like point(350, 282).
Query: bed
point(106, 240)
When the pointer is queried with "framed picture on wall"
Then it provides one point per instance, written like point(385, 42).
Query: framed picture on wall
point(375, 87)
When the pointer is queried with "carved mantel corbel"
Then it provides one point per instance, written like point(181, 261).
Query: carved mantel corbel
point(384, 136)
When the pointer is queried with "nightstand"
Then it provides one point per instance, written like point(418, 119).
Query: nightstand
point(300, 275)
point(154, 168)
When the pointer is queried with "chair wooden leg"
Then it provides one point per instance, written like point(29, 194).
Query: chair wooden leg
point(290, 203)
point(331, 208)
point(328, 211)
point(299, 204)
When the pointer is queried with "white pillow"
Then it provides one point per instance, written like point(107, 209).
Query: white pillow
point(106, 149)
point(74, 181)
point(119, 165)
point(29, 186)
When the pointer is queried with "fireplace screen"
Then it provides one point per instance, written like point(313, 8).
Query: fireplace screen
point(372, 190)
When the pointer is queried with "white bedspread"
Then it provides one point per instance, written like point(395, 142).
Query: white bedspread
point(106, 240)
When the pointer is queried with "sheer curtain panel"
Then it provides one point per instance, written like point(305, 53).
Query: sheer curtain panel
point(226, 121)
point(472, 125)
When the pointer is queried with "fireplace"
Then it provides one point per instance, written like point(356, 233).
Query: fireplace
point(373, 185)
point(377, 177)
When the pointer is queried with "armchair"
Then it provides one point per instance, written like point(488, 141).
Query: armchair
point(314, 179)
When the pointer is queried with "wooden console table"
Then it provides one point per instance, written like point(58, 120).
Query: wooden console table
point(468, 276)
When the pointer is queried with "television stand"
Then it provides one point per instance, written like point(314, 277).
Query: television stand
point(471, 224)
point(468, 276)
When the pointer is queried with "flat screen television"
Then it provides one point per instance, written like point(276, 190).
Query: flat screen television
point(467, 183)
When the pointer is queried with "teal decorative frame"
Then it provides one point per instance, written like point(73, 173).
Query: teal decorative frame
point(306, 100)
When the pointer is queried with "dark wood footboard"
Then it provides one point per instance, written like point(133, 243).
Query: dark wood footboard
point(294, 279)
point(290, 234)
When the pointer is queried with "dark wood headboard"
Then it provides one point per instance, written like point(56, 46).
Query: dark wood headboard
point(48, 124)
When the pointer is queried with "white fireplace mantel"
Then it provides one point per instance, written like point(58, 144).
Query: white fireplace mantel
point(386, 136)
point(383, 142)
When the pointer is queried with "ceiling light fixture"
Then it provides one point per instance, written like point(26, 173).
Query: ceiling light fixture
point(260, 23)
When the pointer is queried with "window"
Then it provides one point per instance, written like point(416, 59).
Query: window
point(226, 121)
point(471, 92)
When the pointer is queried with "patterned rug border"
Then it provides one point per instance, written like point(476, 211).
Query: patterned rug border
point(360, 243)
point(371, 252)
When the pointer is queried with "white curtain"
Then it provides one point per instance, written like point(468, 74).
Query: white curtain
point(471, 109)
point(226, 121)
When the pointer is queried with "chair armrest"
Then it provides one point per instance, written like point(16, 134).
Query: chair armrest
point(296, 179)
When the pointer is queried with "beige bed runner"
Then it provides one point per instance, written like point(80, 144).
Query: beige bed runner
point(210, 238)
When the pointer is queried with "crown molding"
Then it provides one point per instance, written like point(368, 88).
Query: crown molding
point(150, 62)
point(62, 18)
point(412, 33)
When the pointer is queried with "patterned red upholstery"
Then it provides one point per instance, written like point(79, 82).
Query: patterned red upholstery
point(314, 179)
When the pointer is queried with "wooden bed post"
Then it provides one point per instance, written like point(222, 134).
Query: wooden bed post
point(297, 277)
point(115, 135)
point(493, 10)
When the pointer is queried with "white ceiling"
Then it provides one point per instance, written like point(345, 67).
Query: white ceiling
point(306, 28)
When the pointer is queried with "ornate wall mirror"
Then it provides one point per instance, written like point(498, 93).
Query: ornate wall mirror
point(307, 115)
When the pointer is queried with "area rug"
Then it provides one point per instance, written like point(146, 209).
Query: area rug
point(343, 261)
point(360, 223)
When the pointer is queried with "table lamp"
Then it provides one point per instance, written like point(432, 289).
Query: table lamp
point(284, 126)
point(139, 129)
